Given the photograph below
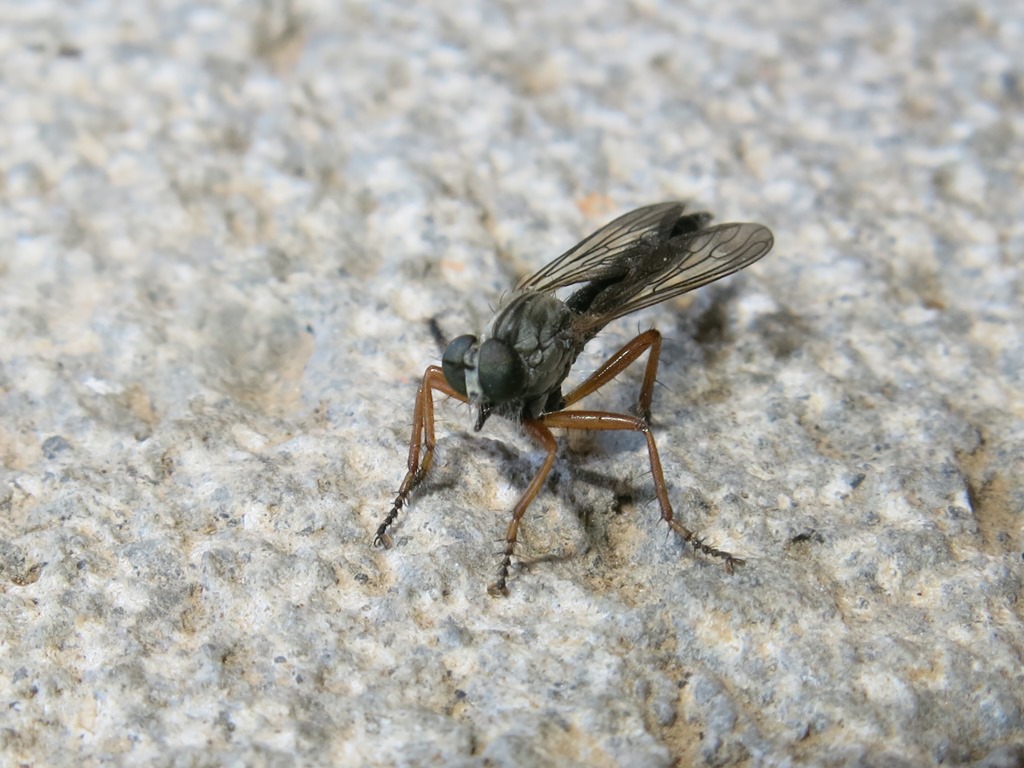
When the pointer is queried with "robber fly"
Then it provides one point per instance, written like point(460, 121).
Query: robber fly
point(515, 369)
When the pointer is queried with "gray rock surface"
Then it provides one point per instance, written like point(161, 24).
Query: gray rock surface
point(223, 230)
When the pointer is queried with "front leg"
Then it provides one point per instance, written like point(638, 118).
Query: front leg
point(542, 435)
point(422, 435)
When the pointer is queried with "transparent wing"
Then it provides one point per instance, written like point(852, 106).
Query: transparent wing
point(602, 253)
point(677, 266)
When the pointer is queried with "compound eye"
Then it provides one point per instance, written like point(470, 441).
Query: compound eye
point(501, 370)
point(453, 362)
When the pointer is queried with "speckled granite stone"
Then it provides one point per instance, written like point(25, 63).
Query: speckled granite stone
point(223, 230)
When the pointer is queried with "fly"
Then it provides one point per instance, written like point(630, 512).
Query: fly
point(516, 367)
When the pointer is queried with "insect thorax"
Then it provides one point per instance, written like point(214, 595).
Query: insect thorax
point(538, 327)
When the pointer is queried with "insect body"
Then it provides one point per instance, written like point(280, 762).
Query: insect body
point(515, 369)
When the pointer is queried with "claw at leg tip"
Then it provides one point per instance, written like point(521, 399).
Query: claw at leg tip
point(498, 589)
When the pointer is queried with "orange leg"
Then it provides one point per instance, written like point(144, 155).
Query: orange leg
point(619, 362)
point(542, 435)
point(539, 429)
point(422, 434)
point(601, 420)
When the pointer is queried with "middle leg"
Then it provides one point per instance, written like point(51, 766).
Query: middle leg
point(619, 362)
point(601, 420)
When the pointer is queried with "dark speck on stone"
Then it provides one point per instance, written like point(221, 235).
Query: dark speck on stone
point(54, 445)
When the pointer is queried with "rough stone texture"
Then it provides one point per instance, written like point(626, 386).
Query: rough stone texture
point(223, 229)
